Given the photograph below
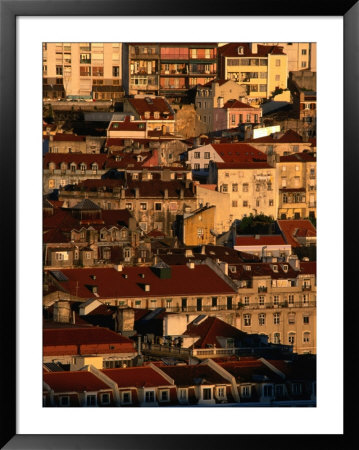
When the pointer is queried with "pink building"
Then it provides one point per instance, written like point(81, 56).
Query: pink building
point(233, 113)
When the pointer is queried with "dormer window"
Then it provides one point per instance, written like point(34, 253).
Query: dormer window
point(275, 268)
point(247, 267)
point(240, 50)
point(285, 268)
point(156, 115)
point(83, 167)
point(94, 168)
point(147, 114)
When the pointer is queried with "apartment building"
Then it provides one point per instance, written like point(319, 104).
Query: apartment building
point(262, 69)
point(82, 66)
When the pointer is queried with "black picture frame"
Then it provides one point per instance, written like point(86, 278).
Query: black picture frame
point(9, 11)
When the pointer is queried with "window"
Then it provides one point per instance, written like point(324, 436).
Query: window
point(261, 319)
point(126, 397)
point(234, 203)
point(276, 338)
point(271, 202)
point(143, 226)
point(305, 298)
point(291, 299)
point(149, 396)
point(94, 168)
point(115, 71)
point(291, 318)
point(207, 155)
point(245, 391)
point(246, 300)
point(196, 166)
point(105, 399)
point(83, 167)
point(306, 319)
point(158, 206)
point(277, 62)
point(276, 318)
point(245, 187)
point(221, 391)
point(306, 337)
point(91, 400)
point(183, 394)
point(214, 301)
point(143, 206)
point(224, 187)
point(129, 206)
point(261, 300)
point(277, 78)
point(234, 187)
point(247, 320)
point(267, 390)
point(64, 401)
point(291, 338)
point(304, 52)
point(207, 394)
point(245, 203)
point(276, 297)
point(296, 388)
point(164, 396)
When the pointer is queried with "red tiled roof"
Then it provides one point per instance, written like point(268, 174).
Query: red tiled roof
point(231, 153)
point(293, 228)
point(238, 104)
point(244, 370)
point(298, 157)
point(78, 381)
point(144, 376)
point(262, 240)
point(76, 158)
point(128, 125)
point(194, 375)
point(261, 270)
point(68, 137)
point(209, 330)
point(244, 165)
point(83, 336)
point(220, 82)
point(231, 50)
point(159, 104)
point(200, 280)
point(308, 267)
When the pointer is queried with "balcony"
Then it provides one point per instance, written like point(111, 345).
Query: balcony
point(306, 287)
point(262, 289)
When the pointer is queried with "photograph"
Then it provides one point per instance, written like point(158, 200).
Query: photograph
point(163, 202)
point(179, 224)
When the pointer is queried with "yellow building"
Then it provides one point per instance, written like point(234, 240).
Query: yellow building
point(197, 227)
point(251, 187)
point(263, 69)
point(297, 186)
point(79, 66)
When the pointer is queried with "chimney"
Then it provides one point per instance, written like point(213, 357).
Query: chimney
point(164, 130)
point(137, 192)
point(118, 267)
point(139, 345)
point(123, 193)
point(203, 250)
point(224, 267)
point(147, 287)
point(254, 47)
point(190, 265)
point(166, 194)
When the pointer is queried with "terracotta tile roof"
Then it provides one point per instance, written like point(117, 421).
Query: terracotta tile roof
point(262, 240)
point(308, 267)
point(84, 336)
point(231, 50)
point(299, 157)
point(261, 270)
point(210, 329)
point(240, 152)
point(55, 236)
point(127, 125)
point(112, 284)
point(296, 228)
point(245, 371)
point(78, 381)
point(239, 105)
point(220, 82)
point(76, 158)
point(138, 377)
point(244, 165)
point(191, 375)
point(68, 137)
point(159, 104)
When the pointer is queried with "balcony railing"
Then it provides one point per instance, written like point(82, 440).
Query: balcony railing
point(240, 306)
point(306, 287)
point(262, 289)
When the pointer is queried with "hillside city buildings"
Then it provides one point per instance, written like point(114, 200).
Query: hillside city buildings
point(179, 224)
